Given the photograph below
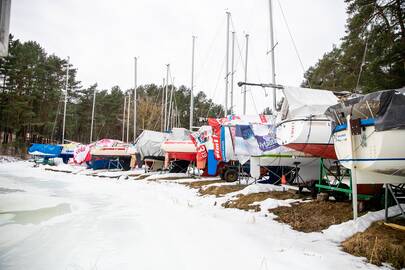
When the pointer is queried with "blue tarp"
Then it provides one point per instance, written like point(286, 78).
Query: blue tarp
point(45, 150)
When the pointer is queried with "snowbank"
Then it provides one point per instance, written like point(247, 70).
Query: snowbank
point(256, 188)
point(8, 159)
point(158, 176)
point(340, 232)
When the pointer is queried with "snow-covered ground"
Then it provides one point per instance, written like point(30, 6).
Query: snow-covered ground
point(54, 220)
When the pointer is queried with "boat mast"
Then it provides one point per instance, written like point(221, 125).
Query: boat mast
point(246, 66)
point(192, 86)
point(169, 117)
point(92, 115)
point(232, 68)
point(166, 89)
point(128, 113)
point(123, 118)
point(162, 109)
point(66, 93)
point(228, 16)
point(135, 94)
point(273, 69)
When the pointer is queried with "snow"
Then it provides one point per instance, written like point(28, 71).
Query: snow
point(255, 188)
point(7, 159)
point(160, 175)
point(341, 232)
point(101, 223)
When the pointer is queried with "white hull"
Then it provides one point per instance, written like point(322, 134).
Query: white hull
point(378, 157)
point(304, 131)
point(111, 152)
point(179, 146)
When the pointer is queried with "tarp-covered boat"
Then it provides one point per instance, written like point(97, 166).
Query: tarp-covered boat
point(369, 136)
point(45, 150)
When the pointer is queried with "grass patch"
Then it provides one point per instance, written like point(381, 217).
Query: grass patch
point(199, 184)
point(244, 202)
point(220, 190)
point(379, 243)
point(313, 216)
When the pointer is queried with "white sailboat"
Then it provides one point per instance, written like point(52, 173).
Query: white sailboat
point(302, 124)
point(370, 136)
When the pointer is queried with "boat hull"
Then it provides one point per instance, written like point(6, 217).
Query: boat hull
point(310, 135)
point(179, 146)
point(378, 157)
point(110, 152)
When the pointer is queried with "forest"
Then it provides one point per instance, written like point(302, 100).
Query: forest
point(32, 96)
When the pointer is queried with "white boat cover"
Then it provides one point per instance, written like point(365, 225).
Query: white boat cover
point(305, 102)
point(149, 143)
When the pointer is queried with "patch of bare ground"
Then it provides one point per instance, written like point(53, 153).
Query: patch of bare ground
point(313, 216)
point(199, 184)
point(172, 178)
point(244, 202)
point(142, 176)
point(219, 191)
point(57, 170)
point(379, 244)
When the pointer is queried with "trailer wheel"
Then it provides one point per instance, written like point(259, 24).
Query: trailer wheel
point(231, 175)
point(222, 175)
point(313, 189)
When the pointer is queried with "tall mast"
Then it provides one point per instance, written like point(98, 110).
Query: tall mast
point(170, 107)
point(166, 89)
point(232, 68)
point(246, 67)
point(92, 115)
point(66, 94)
point(162, 109)
point(135, 94)
point(273, 68)
point(192, 86)
point(128, 113)
point(123, 118)
point(228, 16)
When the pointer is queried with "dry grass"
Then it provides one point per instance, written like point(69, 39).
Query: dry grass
point(172, 178)
point(142, 176)
point(288, 194)
point(220, 190)
point(57, 170)
point(379, 243)
point(313, 216)
point(244, 202)
point(199, 184)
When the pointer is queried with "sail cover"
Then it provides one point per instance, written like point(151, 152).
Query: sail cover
point(304, 102)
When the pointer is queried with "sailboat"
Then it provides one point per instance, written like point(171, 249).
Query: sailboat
point(369, 136)
point(302, 124)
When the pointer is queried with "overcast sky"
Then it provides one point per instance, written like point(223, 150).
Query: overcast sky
point(102, 37)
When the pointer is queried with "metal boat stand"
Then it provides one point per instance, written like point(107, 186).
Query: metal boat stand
point(332, 181)
point(398, 195)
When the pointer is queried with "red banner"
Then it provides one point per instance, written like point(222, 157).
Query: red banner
point(216, 135)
